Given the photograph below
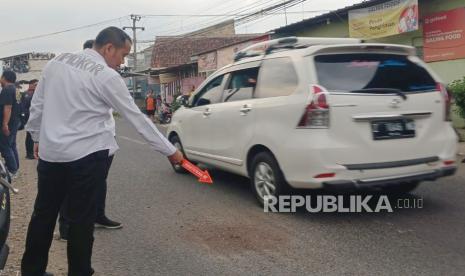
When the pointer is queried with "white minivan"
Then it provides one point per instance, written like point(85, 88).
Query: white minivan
point(327, 113)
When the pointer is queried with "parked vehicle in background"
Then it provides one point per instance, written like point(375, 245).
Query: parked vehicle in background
point(321, 113)
point(165, 113)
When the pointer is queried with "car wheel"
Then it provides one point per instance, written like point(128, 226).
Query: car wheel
point(177, 143)
point(266, 177)
point(401, 188)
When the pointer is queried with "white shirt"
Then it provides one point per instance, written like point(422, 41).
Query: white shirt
point(71, 109)
point(111, 123)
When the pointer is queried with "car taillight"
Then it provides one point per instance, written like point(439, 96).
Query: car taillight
point(447, 100)
point(316, 114)
point(449, 162)
point(325, 175)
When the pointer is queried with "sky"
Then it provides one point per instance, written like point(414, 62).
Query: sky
point(25, 19)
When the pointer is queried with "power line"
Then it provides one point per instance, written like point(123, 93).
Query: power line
point(265, 12)
point(9, 42)
point(212, 7)
point(278, 7)
point(265, 16)
point(60, 32)
point(225, 4)
point(232, 14)
point(262, 4)
point(238, 10)
point(257, 4)
point(253, 17)
point(227, 14)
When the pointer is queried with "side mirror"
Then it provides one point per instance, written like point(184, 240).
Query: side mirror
point(185, 101)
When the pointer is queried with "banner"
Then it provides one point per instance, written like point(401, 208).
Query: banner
point(390, 18)
point(443, 35)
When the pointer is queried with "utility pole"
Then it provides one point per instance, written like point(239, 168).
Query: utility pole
point(134, 19)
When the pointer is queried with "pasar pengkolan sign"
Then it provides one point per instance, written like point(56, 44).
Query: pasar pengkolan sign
point(386, 19)
point(443, 35)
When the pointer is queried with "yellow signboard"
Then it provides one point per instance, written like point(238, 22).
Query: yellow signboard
point(386, 19)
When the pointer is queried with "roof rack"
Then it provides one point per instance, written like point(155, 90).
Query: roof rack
point(267, 47)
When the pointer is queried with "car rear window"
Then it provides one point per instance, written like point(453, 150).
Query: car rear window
point(356, 72)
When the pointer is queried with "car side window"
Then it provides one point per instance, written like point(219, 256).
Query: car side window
point(241, 85)
point(210, 94)
point(278, 77)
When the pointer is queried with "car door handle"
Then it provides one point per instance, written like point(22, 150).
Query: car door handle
point(245, 109)
point(207, 112)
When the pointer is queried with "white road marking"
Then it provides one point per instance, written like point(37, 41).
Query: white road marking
point(132, 140)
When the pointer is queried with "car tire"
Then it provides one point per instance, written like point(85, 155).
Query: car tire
point(402, 188)
point(177, 143)
point(266, 177)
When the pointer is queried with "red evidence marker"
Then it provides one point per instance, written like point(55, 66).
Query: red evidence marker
point(204, 176)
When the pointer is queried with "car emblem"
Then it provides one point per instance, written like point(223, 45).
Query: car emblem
point(395, 103)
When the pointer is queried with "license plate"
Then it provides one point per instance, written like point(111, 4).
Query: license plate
point(393, 129)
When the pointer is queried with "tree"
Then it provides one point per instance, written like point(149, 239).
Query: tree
point(457, 88)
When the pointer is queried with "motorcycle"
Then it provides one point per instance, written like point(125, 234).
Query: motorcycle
point(5, 187)
point(165, 114)
point(169, 109)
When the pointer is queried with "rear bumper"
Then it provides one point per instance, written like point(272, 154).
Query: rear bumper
point(385, 181)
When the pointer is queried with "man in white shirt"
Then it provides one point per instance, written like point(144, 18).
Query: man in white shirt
point(73, 141)
point(101, 219)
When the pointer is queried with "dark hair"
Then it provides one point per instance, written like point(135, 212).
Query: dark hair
point(33, 81)
point(88, 44)
point(9, 76)
point(112, 35)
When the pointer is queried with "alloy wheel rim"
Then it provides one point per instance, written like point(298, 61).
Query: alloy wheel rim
point(265, 182)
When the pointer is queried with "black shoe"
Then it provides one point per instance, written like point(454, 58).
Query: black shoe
point(107, 223)
point(30, 157)
point(63, 238)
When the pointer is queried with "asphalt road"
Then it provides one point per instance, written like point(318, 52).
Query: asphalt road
point(175, 226)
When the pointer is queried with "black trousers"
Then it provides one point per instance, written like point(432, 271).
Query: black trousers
point(78, 182)
point(29, 145)
point(101, 198)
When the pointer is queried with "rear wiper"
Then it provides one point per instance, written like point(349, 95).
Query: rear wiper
point(382, 91)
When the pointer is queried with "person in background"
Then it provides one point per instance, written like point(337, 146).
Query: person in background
point(88, 44)
point(158, 102)
point(150, 105)
point(192, 91)
point(9, 117)
point(25, 105)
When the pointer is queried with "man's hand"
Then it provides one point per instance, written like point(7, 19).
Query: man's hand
point(5, 130)
point(176, 158)
point(36, 150)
